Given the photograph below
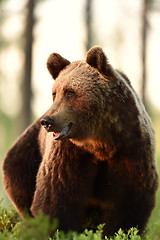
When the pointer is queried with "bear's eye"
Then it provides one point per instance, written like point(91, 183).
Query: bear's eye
point(69, 93)
point(54, 95)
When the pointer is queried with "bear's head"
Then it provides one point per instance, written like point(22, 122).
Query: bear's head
point(81, 96)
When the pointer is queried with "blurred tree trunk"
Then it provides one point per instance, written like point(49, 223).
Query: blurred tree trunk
point(88, 14)
point(144, 49)
point(26, 87)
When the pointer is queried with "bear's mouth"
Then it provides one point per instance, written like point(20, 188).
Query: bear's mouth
point(60, 135)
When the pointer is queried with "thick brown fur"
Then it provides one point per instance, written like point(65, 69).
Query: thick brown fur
point(103, 168)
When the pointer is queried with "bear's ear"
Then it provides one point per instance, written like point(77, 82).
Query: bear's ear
point(55, 64)
point(97, 59)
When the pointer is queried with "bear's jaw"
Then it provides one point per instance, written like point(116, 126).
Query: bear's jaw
point(63, 133)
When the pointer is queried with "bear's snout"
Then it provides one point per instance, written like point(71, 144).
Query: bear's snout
point(47, 123)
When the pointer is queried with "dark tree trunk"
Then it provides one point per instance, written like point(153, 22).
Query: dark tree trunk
point(26, 87)
point(144, 49)
point(88, 13)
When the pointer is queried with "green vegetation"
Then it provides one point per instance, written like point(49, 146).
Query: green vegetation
point(154, 223)
point(12, 227)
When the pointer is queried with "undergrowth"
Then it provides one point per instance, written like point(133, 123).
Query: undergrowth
point(12, 227)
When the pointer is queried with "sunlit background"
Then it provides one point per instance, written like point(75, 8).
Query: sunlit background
point(61, 26)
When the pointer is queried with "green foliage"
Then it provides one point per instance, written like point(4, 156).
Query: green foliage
point(36, 228)
point(132, 234)
point(154, 223)
point(12, 227)
point(86, 235)
point(8, 218)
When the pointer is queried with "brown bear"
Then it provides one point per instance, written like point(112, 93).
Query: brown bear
point(90, 158)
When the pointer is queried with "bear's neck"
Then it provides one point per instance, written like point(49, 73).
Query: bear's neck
point(100, 150)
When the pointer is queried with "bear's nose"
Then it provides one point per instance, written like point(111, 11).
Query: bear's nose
point(46, 122)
